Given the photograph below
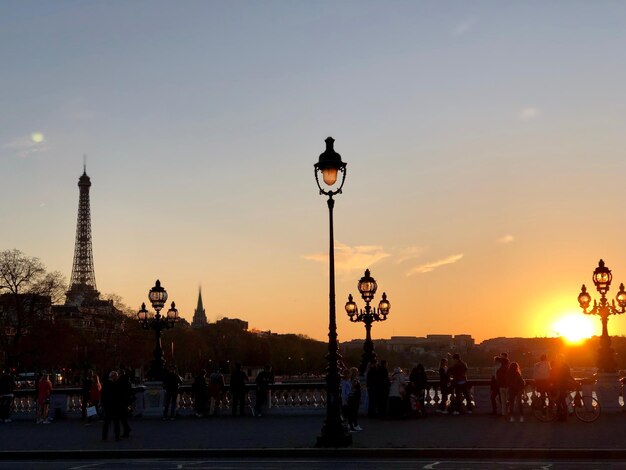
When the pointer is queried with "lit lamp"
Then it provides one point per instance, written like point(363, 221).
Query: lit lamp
point(367, 288)
point(334, 433)
point(602, 278)
point(157, 322)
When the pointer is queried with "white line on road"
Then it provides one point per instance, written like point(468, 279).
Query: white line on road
point(431, 466)
point(89, 465)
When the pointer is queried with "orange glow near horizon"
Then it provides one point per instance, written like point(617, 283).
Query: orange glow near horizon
point(574, 327)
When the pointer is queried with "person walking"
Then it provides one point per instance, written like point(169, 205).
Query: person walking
point(346, 389)
point(562, 382)
point(238, 380)
point(383, 384)
point(397, 394)
point(113, 404)
point(171, 384)
point(128, 399)
point(418, 385)
point(95, 394)
point(200, 391)
point(264, 380)
point(516, 387)
point(85, 393)
point(43, 399)
point(6, 396)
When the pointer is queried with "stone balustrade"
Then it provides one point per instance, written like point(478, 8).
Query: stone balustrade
point(285, 398)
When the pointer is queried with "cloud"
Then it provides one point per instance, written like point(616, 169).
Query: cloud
point(464, 26)
point(528, 113)
point(348, 259)
point(428, 267)
point(28, 145)
point(405, 254)
point(505, 239)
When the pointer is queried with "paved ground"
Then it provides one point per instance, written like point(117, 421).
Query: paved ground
point(433, 436)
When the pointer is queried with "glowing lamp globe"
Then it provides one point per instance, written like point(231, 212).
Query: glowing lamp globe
point(157, 296)
point(351, 306)
point(384, 305)
point(602, 278)
point(172, 313)
point(329, 165)
point(584, 299)
point(367, 286)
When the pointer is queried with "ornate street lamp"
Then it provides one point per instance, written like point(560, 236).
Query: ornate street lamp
point(367, 287)
point(602, 280)
point(334, 432)
point(157, 322)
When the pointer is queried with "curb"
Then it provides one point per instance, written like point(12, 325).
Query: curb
point(322, 453)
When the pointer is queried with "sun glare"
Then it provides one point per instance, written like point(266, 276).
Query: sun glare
point(574, 327)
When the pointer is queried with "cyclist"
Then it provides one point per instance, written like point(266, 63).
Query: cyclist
point(561, 379)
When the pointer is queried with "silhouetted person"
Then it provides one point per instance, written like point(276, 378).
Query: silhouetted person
point(418, 386)
point(171, 384)
point(458, 375)
point(128, 399)
point(562, 382)
point(216, 388)
point(6, 396)
point(85, 393)
point(516, 387)
point(238, 380)
point(113, 403)
point(502, 374)
point(444, 385)
point(371, 380)
point(382, 384)
point(200, 391)
point(264, 379)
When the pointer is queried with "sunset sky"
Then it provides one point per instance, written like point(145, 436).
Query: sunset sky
point(485, 144)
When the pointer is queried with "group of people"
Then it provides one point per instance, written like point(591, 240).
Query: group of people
point(208, 393)
point(552, 379)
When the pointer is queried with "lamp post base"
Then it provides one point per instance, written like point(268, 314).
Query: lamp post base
point(334, 436)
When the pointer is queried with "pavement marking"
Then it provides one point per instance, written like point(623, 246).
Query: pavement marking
point(86, 466)
point(430, 466)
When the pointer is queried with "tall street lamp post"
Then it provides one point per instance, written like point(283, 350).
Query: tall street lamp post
point(157, 322)
point(367, 287)
point(602, 280)
point(334, 432)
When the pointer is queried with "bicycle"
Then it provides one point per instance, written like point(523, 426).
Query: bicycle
point(585, 407)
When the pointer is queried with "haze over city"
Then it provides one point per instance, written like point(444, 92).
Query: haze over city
point(484, 142)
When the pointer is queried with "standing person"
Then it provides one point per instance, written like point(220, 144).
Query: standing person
point(346, 389)
point(458, 375)
point(216, 389)
point(264, 379)
point(85, 393)
point(128, 399)
point(114, 404)
point(43, 399)
point(444, 385)
point(541, 376)
point(371, 383)
point(238, 380)
point(561, 378)
point(354, 400)
point(516, 387)
point(200, 390)
point(419, 385)
point(171, 384)
point(397, 393)
point(95, 393)
point(383, 385)
point(6, 396)
point(502, 374)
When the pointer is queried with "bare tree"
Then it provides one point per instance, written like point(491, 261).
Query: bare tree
point(31, 289)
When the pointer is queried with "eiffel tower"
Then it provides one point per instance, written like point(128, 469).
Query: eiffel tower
point(83, 289)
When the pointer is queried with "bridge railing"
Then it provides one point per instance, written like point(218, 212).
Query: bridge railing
point(284, 398)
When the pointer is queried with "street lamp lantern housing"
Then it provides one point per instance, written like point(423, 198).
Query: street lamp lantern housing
point(142, 314)
point(602, 278)
point(584, 299)
point(172, 313)
point(330, 164)
point(384, 305)
point(367, 286)
point(621, 296)
point(157, 296)
point(351, 307)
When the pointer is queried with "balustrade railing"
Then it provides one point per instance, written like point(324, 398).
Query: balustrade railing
point(284, 398)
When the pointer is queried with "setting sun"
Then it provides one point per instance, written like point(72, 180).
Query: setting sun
point(574, 327)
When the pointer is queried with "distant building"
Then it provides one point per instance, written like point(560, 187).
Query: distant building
point(235, 323)
point(199, 316)
point(32, 306)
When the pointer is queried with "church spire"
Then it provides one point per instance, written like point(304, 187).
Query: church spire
point(199, 316)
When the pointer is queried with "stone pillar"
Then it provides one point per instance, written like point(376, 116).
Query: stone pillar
point(153, 399)
point(608, 389)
